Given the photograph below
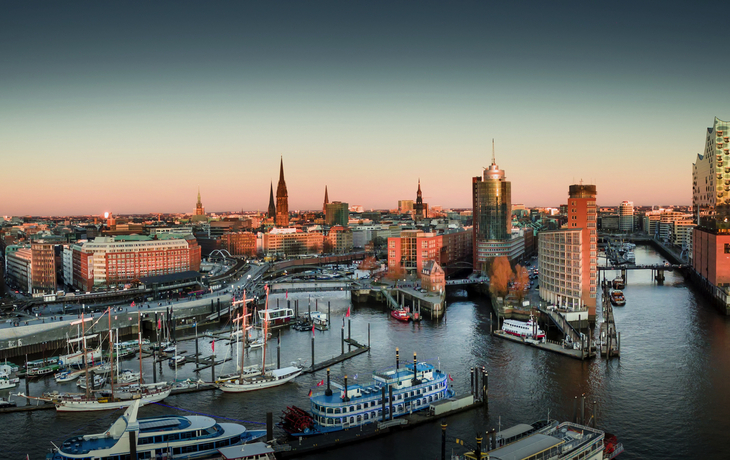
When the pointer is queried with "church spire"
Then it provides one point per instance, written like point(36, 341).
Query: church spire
point(199, 202)
point(272, 207)
point(326, 200)
point(282, 199)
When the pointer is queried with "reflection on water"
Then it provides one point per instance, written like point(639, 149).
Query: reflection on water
point(664, 398)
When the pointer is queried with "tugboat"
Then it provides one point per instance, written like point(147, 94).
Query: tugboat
point(617, 298)
point(401, 315)
point(619, 283)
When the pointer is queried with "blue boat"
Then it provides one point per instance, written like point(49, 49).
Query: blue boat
point(168, 437)
point(391, 394)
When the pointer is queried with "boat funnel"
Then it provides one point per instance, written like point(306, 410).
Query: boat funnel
point(328, 391)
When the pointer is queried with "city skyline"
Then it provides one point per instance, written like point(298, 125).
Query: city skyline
point(130, 108)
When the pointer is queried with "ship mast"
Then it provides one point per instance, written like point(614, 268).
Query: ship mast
point(111, 350)
point(243, 337)
point(139, 337)
point(86, 357)
point(265, 329)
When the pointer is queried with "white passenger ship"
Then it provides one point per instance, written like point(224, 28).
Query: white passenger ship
point(354, 405)
point(170, 437)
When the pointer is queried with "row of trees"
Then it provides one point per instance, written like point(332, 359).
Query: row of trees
point(501, 275)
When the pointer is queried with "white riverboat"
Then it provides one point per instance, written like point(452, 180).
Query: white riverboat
point(526, 329)
point(170, 437)
point(415, 387)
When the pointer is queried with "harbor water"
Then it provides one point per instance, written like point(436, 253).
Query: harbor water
point(664, 398)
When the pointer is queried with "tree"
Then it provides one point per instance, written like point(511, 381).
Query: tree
point(500, 274)
point(379, 242)
point(395, 272)
point(522, 279)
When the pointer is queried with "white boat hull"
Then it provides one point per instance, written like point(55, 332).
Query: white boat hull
point(256, 383)
point(84, 406)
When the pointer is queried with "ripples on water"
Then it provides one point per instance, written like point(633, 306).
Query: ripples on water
point(664, 398)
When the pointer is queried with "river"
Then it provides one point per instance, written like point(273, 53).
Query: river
point(664, 398)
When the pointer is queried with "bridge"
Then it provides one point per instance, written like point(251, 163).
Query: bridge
point(459, 282)
point(646, 267)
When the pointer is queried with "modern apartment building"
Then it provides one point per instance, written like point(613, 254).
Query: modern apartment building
point(626, 216)
point(239, 243)
point(568, 256)
point(561, 267)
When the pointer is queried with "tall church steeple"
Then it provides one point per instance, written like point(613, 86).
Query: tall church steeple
point(282, 199)
point(326, 200)
point(272, 206)
point(419, 202)
point(199, 209)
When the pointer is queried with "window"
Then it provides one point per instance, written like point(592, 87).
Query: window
point(727, 248)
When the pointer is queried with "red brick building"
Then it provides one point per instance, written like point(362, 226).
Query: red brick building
point(239, 243)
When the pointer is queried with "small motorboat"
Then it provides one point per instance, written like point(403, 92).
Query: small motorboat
point(401, 315)
point(177, 360)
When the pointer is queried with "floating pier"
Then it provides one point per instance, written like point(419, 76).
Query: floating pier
point(549, 345)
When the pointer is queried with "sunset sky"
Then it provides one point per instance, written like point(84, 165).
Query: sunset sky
point(130, 106)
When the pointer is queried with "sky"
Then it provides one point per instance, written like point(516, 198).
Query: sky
point(129, 107)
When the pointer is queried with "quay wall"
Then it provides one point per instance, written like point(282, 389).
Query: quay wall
point(49, 337)
point(431, 306)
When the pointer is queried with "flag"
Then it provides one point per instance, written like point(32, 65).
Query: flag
point(355, 378)
point(348, 311)
point(312, 329)
point(132, 303)
point(450, 378)
point(320, 383)
point(159, 323)
point(310, 393)
point(287, 294)
point(213, 345)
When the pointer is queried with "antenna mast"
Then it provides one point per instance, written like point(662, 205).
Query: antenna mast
point(493, 159)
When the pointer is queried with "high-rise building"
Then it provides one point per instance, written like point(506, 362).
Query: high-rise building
point(711, 209)
point(492, 210)
point(337, 213)
point(711, 177)
point(582, 214)
point(282, 200)
point(43, 267)
point(326, 200)
point(272, 206)
point(419, 203)
point(626, 216)
point(568, 256)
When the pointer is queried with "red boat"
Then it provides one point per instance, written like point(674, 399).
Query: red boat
point(401, 315)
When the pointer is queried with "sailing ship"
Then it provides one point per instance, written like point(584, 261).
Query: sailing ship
point(121, 397)
point(264, 379)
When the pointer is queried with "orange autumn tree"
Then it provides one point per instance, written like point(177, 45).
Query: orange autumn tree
point(500, 274)
point(522, 279)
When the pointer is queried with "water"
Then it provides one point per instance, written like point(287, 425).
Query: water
point(664, 398)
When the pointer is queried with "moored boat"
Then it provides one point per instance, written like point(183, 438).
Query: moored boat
point(618, 283)
point(548, 439)
point(617, 298)
point(526, 329)
point(414, 387)
point(401, 315)
point(280, 317)
point(171, 436)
